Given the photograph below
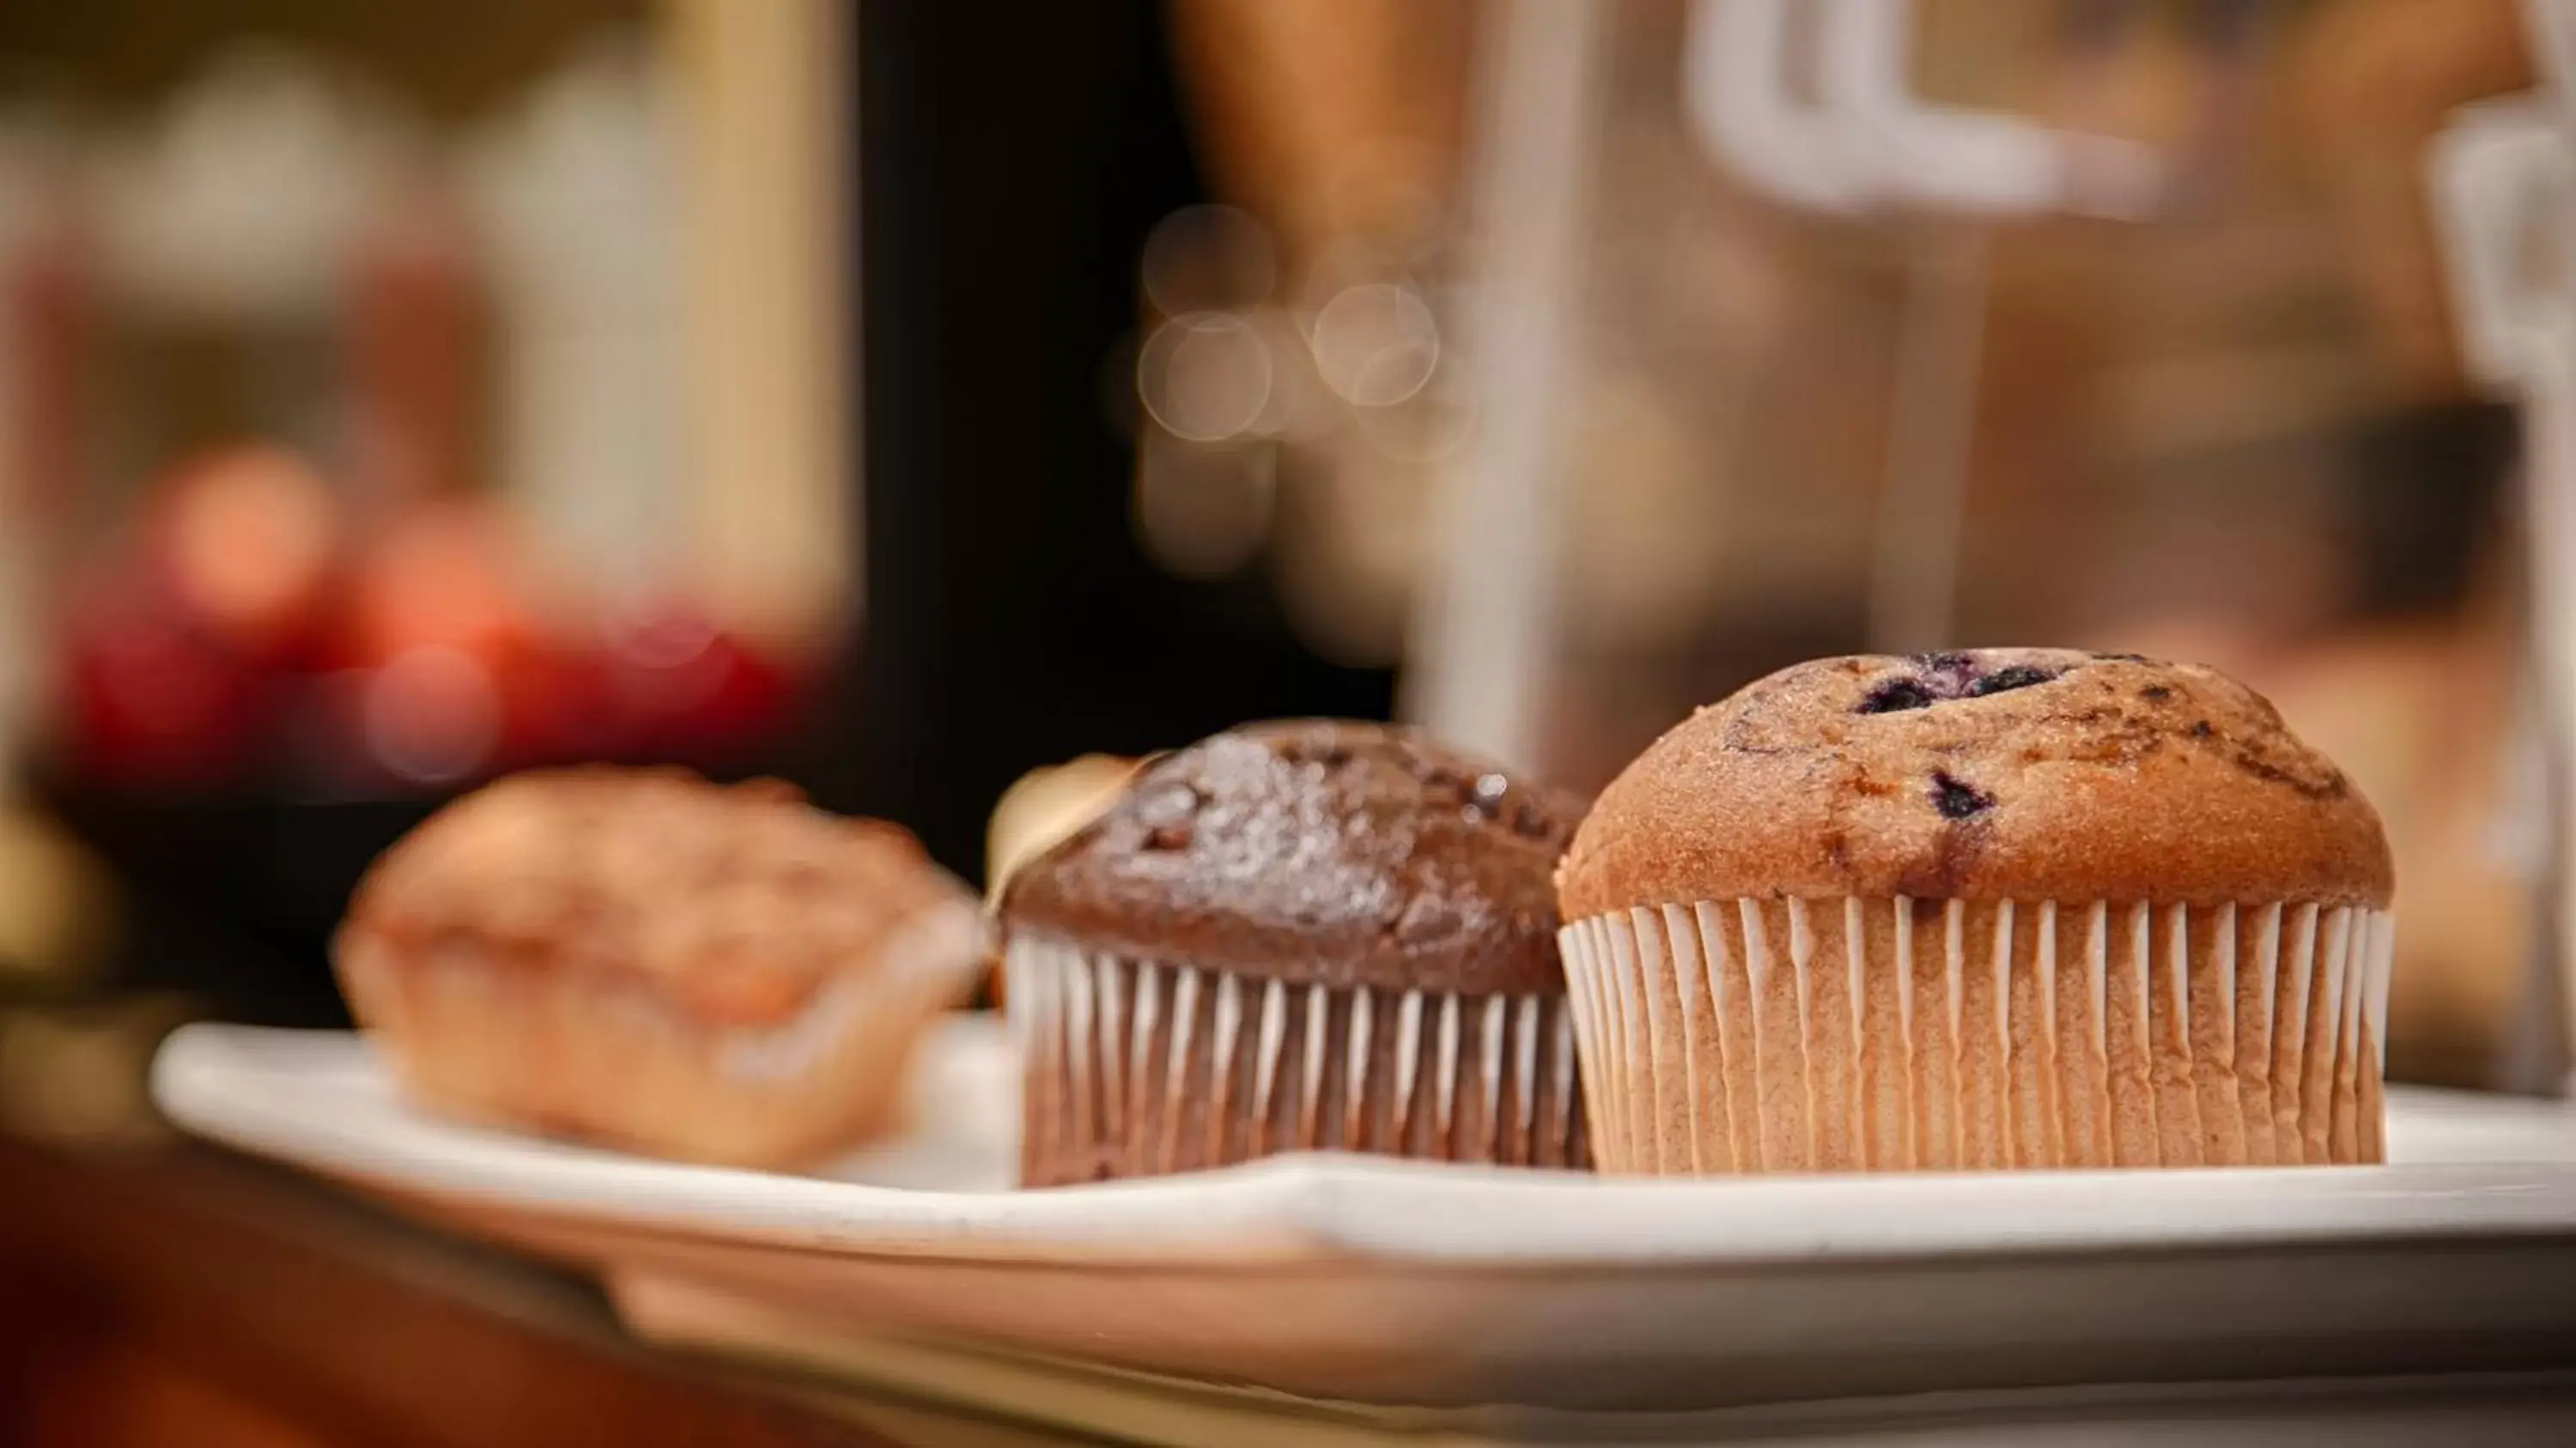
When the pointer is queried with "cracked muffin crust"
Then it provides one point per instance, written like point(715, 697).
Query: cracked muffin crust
point(736, 902)
point(639, 956)
point(1989, 774)
point(2005, 908)
point(1318, 852)
point(1300, 935)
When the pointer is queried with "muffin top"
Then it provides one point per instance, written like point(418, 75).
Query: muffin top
point(739, 902)
point(2027, 774)
point(1315, 851)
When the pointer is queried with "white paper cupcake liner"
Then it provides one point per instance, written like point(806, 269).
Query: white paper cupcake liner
point(1141, 1067)
point(1896, 1034)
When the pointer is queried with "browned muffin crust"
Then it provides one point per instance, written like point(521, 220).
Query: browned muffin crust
point(1316, 852)
point(1991, 774)
point(738, 902)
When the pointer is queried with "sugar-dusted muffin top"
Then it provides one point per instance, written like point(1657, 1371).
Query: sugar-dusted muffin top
point(2024, 774)
point(1316, 851)
point(737, 902)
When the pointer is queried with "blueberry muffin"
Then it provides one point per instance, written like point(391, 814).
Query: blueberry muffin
point(2009, 907)
point(641, 958)
point(1296, 936)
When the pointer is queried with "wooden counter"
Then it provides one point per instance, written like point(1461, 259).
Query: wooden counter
point(187, 1296)
point(192, 1298)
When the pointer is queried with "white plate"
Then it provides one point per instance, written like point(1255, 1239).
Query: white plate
point(1378, 1281)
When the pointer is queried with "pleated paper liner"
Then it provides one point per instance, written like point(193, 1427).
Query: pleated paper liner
point(612, 1058)
point(1144, 1067)
point(1894, 1034)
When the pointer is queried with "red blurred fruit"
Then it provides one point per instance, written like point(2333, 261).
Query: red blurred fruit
point(442, 574)
point(247, 540)
point(687, 686)
point(152, 696)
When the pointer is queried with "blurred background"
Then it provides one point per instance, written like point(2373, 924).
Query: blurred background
point(900, 398)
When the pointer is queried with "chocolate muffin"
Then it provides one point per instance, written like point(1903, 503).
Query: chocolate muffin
point(642, 958)
point(2008, 907)
point(1296, 936)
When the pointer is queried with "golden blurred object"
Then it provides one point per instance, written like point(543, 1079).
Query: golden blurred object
point(1328, 119)
point(761, 124)
point(1041, 809)
point(2370, 83)
point(80, 1075)
point(57, 905)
